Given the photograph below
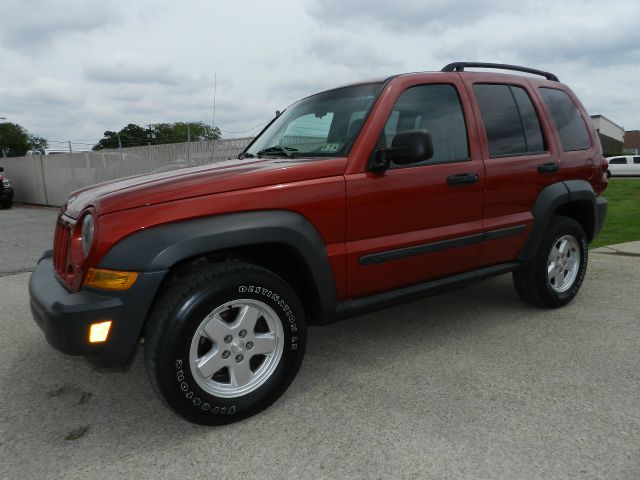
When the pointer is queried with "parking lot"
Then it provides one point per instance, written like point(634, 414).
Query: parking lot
point(471, 384)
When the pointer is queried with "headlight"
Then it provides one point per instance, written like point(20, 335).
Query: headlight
point(87, 234)
point(6, 183)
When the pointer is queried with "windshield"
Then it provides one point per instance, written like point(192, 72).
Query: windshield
point(323, 125)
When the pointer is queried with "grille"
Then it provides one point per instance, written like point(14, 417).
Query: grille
point(61, 247)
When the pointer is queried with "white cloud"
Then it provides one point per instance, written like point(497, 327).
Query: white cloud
point(72, 69)
point(133, 67)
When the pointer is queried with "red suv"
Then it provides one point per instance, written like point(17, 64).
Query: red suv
point(351, 200)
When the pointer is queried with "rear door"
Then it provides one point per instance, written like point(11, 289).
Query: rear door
point(520, 160)
point(618, 166)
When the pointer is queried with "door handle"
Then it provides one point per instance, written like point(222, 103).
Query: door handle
point(462, 179)
point(548, 167)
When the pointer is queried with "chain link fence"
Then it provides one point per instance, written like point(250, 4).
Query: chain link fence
point(48, 179)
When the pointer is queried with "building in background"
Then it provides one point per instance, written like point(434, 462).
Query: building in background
point(611, 135)
point(631, 142)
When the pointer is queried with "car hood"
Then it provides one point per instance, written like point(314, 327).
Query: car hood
point(183, 183)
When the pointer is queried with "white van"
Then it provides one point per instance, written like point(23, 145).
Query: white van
point(45, 151)
point(623, 166)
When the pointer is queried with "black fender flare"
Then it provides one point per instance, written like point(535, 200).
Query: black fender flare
point(163, 246)
point(557, 195)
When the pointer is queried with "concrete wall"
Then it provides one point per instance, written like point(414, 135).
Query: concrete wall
point(48, 179)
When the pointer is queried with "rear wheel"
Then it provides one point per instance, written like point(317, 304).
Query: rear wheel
point(224, 341)
point(552, 279)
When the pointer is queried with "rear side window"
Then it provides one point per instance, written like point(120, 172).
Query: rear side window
point(636, 160)
point(566, 116)
point(618, 161)
point(435, 108)
point(510, 121)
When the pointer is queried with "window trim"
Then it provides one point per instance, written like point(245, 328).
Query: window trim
point(543, 132)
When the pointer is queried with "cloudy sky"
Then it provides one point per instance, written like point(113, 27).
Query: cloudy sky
point(69, 70)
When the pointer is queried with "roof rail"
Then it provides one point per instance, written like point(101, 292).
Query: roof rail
point(460, 66)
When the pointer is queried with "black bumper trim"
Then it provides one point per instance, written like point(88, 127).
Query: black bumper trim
point(65, 317)
point(601, 214)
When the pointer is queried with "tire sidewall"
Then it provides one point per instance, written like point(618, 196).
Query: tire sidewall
point(174, 375)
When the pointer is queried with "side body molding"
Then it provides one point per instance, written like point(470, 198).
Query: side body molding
point(161, 247)
point(575, 194)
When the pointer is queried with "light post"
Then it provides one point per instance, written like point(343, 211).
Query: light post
point(2, 149)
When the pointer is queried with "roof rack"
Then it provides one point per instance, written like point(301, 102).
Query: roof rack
point(460, 66)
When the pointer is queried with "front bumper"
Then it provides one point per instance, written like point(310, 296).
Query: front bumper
point(65, 317)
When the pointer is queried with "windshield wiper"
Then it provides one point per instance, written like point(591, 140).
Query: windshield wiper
point(278, 149)
point(245, 155)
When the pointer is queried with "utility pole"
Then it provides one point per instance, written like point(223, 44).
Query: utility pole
point(4, 155)
point(188, 144)
point(73, 167)
point(121, 156)
point(215, 87)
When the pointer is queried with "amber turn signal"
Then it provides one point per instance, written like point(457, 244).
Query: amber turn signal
point(110, 279)
point(99, 332)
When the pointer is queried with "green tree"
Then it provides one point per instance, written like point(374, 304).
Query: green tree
point(16, 141)
point(134, 135)
point(131, 136)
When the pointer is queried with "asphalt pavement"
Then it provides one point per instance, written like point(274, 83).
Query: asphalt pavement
point(471, 384)
point(25, 232)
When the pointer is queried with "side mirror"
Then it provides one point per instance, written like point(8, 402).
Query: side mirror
point(1, 169)
point(410, 147)
point(407, 148)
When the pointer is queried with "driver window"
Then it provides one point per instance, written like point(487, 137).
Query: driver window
point(435, 108)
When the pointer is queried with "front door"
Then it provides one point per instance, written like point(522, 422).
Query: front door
point(413, 223)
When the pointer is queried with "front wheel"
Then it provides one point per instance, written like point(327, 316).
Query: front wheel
point(555, 274)
point(224, 341)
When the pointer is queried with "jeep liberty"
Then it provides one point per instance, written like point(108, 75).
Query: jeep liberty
point(351, 200)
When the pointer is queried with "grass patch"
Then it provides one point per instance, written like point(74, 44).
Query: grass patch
point(623, 216)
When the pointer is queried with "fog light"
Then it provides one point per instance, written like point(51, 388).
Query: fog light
point(110, 279)
point(98, 332)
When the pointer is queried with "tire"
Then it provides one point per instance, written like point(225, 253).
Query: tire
point(199, 360)
point(6, 204)
point(608, 174)
point(554, 276)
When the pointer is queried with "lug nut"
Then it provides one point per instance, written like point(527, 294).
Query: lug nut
point(243, 333)
point(228, 338)
point(226, 354)
point(239, 358)
point(249, 345)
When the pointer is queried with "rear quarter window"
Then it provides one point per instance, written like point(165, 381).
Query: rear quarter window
point(567, 119)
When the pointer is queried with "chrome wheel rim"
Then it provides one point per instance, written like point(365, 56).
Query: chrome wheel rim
point(563, 263)
point(236, 348)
